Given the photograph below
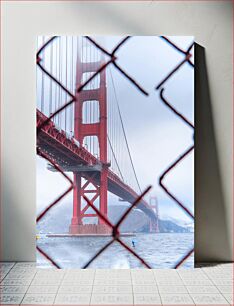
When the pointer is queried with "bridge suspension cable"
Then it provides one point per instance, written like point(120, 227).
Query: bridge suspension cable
point(60, 58)
point(123, 129)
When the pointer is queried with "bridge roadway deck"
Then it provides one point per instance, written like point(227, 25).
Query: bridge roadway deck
point(68, 154)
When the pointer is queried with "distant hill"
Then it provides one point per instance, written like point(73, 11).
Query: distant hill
point(58, 221)
point(167, 226)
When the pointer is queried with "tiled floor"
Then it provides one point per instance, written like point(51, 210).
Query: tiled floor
point(23, 283)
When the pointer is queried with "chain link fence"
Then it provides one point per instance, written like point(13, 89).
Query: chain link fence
point(160, 89)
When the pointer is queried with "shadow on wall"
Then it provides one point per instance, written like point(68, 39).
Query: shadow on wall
point(211, 234)
point(17, 226)
point(110, 15)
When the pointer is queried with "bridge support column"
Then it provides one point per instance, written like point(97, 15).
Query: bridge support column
point(93, 192)
point(95, 183)
point(154, 225)
point(103, 196)
point(76, 220)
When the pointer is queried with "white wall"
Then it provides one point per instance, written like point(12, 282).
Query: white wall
point(211, 24)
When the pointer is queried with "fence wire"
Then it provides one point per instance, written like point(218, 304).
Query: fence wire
point(159, 88)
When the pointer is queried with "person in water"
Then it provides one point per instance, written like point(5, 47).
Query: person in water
point(133, 243)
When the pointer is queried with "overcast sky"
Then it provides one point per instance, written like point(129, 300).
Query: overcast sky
point(155, 135)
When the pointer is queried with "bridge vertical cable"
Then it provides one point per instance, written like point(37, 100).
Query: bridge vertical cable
point(121, 155)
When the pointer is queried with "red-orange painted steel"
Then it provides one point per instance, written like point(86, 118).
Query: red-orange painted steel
point(81, 131)
point(154, 224)
point(64, 151)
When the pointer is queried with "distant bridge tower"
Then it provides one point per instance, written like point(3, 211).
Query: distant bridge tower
point(98, 129)
point(154, 225)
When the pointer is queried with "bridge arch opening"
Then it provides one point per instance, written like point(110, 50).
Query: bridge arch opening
point(91, 144)
point(93, 84)
point(90, 112)
point(91, 192)
point(90, 55)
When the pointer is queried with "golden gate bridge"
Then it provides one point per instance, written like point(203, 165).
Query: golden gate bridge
point(88, 138)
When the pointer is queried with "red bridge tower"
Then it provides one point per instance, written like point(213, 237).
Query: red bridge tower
point(87, 185)
point(154, 225)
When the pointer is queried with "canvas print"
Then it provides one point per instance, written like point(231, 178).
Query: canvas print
point(115, 158)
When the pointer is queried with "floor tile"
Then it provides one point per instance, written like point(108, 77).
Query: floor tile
point(202, 289)
point(220, 273)
point(16, 282)
point(73, 289)
point(79, 281)
point(112, 272)
point(143, 275)
point(72, 299)
point(196, 276)
point(112, 282)
point(207, 285)
point(169, 282)
point(6, 264)
point(225, 289)
point(222, 282)
point(176, 299)
point(3, 275)
point(167, 276)
point(110, 277)
point(11, 299)
point(147, 277)
point(164, 271)
point(147, 299)
point(47, 273)
point(39, 299)
point(172, 289)
point(112, 289)
point(52, 271)
point(145, 289)
point(220, 276)
point(77, 276)
point(23, 270)
point(228, 297)
point(227, 264)
point(209, 299)
point(26, 264)
point(4, 270)
point(197, 282)
point(142, 271)
point(111, 299)
point(49, 277)
point(13, 289)
point(83, 271)
point(43, 289)
point(29, 276)
point(143, 282)
point(46, 282)
point(190, 271)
